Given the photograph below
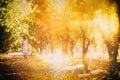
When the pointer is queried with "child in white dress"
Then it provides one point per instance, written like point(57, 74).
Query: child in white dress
point(25, 46)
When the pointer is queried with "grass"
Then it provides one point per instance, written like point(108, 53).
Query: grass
point(32, 68)
point(3, 57)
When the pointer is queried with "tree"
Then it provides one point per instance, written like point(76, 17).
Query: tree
point(85, 27)
point(111, 38)
point(40, 26)
point(17, 21)
point(4, 36)
point(112, 48)
point(52, 23)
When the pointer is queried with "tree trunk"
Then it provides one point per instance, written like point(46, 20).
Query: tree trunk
point(113, 52)
point(113, 69)
point(84, 61)
point(85, 45)
point(71, 46)
point(113, 63)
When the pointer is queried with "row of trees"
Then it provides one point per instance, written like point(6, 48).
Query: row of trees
point(77, 23)
point(67, 25)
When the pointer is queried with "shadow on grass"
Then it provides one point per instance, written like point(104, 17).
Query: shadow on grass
point(9, 73)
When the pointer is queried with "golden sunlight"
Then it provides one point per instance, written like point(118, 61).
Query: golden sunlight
point(70, 29)
point(107, 21)
point(57, 58)
point(58, 5)
point(60, 39)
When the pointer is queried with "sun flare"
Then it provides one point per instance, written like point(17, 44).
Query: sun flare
point(70, 29)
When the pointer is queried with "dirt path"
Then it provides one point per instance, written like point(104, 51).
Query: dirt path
point(32, 68)
point(18, 68)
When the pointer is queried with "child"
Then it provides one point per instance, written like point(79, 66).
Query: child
point(25, 46)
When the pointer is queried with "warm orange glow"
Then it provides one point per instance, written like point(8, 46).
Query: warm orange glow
point(56, 58)
point(107, 23)
point(98, 53)
point(63, 22)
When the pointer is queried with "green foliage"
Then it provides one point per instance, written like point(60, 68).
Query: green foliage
point(17, 20)
point(4, 40)
point(4, 36)
point(3, 10)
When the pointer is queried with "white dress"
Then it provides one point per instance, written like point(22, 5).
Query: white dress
point(25, 46)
